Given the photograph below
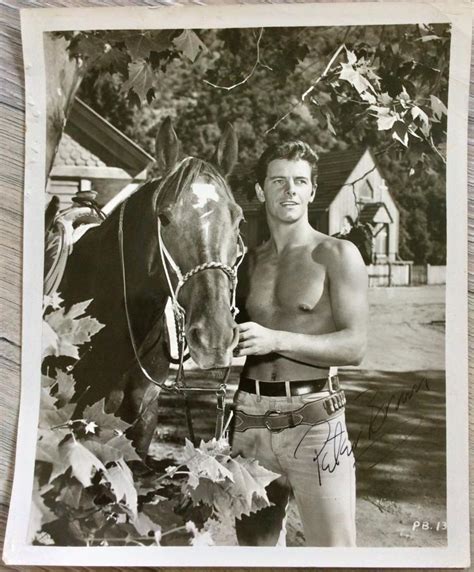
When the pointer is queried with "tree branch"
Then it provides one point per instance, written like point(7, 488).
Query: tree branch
point(309, 90)
point(257, 63)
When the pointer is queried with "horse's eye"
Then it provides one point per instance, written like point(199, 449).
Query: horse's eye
point(165, 216)
point(164, 219)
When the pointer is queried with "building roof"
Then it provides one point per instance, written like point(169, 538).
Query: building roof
point(70, 153)
point(99, 143)
point(375, 213)
point(333, 170)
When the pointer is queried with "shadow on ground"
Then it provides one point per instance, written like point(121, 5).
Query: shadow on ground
point(396, 422)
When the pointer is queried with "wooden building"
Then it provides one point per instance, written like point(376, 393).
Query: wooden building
point(350, 188)
point(93, 154)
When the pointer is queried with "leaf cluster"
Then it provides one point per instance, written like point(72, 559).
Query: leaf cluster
point(85, 491)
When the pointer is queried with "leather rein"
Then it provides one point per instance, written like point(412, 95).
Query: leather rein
point(178, 385)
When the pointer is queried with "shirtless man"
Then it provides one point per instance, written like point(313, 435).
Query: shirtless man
point(307, 302)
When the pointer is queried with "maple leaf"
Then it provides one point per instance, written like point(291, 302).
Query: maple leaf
point(148, 489)
point(103, 451)
point(112, 60)
point(40, 514)
point(418, 113)
point(400, 132)
point(354, 77)
point(215, 446)
point(250, 477)
point(438, 108)
point(145, 525)
point(141, 78)
point(384, 99)
point(221, 528)
point(70, 329)
point(351, 57)
point(87, 46)
point(121, 482)
point(212, 494)
point(385, 117)
point(199, 538)
point(75, 496)
point(140, 45)
point(125, 447)
point(83, 463)
point(50, 415)
point(90, 427)
point(200, 464)
point(248, 487)
point(49, 341)
point(329, 124)
point(65, 388)
point(54, 301)
point(225, 483)
point(108, 423)
point(47, 382)
point(48, 443)
point(189, 43)
point(78, 309)
point(226, 500)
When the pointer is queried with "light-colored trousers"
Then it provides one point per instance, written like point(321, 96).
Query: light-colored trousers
point(316, 465)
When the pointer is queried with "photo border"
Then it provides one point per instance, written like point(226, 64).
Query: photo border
point(37, 21)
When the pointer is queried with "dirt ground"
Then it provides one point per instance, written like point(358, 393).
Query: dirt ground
point(396, 420)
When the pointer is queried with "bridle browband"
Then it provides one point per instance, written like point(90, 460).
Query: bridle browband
point(179, 384)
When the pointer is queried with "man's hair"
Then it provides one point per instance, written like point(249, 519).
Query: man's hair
point(290, 150)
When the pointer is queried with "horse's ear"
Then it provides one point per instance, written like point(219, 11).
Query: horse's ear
point(227, 150)
point(166, 146)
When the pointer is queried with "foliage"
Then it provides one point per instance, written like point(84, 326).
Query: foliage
point(91, 488)
point(378, 86)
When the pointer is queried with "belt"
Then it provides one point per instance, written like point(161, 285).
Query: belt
point(288, 388)
point(275, 420)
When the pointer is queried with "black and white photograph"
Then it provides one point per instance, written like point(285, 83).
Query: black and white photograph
point(244, 322)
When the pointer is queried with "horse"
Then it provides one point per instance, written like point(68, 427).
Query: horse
point(174, 236)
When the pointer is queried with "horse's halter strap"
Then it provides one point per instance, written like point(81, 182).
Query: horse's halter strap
point(180, 319)
point(230, 271)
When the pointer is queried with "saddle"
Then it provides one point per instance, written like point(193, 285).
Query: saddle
point(62, 230)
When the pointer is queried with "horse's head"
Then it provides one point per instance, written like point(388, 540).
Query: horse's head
point(198, 222)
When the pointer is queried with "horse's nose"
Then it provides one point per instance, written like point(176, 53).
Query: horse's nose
point(209, 338)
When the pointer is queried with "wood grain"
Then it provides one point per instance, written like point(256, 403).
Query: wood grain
point(12, 129)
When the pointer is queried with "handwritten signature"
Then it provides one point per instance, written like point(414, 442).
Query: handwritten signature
point(336, 444)
point(327, 459)
point(379, 415)
point(380, 411)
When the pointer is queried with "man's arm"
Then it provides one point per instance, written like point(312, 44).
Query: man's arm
point(348, 295)
point(243, 280)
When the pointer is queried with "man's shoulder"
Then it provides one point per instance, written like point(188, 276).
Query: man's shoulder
point(331, 250)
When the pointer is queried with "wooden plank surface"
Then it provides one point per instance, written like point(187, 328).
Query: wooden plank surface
point(12, 130)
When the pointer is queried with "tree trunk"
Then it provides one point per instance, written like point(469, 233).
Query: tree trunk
point(63, 77)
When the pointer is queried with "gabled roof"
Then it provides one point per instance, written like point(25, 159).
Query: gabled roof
point(333, 170)
point(101, 139)
point(375, 213)
point(70, 153)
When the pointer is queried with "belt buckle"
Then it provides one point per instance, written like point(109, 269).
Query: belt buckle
point(266, 419)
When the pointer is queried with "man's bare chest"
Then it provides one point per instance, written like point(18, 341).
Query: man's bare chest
point(294, 285)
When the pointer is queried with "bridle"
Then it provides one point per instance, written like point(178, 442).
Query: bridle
point(178, 385)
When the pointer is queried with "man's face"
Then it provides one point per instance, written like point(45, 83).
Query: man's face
point(287, 189)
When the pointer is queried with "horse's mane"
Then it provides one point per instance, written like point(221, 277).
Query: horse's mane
point(183, 176)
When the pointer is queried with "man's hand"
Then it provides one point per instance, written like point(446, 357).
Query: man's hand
point(255, 340)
